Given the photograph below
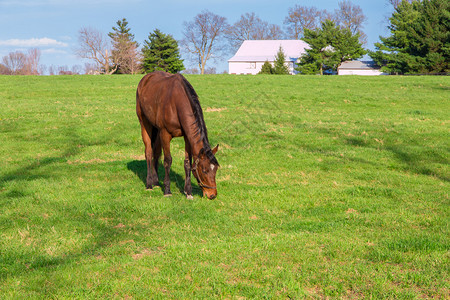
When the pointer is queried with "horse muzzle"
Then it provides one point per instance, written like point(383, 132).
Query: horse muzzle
point(210, 194)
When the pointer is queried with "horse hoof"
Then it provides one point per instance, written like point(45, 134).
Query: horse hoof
point(189, 197)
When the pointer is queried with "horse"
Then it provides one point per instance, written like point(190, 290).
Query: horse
point(167, 106)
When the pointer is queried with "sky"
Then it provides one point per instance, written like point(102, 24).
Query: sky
point(53, 25)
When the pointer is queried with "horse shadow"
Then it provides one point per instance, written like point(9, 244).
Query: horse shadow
point(139, 168)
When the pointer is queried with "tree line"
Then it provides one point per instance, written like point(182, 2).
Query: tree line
point(19, 63)
point(418, 43)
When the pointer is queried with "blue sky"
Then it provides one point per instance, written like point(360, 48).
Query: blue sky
point(52, 25)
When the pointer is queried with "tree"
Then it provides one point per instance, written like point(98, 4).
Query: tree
point(4, 70)
point(419, 41)
point(125, 54)
point(319, 55)
point(32, 63)
point(301, 18)
point(330, 45)
point(266, 68)
point(161, 52)
point(211, 70)
point(76, 69)
point(52, 70)
point(94, 46)
point(348, 15)
point(351, 16)
point(64, 70)
point(251, 27)
point(280, 67)
point(19, 63)
point(191, 71)
point(396, 3)
point(15, 62)
point(90, 69)
point(203, 37)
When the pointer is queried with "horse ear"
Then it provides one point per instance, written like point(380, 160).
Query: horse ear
point(201, 153)
point(214, 151)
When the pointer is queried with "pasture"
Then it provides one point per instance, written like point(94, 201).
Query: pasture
point(328, 187)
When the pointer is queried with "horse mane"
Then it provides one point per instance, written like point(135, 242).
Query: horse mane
point(199, 120)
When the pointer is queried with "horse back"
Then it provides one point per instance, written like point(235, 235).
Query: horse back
point(159, 97)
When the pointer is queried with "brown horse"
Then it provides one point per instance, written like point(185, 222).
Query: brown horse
point(167, 106)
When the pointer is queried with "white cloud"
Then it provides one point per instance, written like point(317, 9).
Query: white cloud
point(34, 42)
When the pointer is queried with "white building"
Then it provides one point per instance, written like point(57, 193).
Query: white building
point(359, 68)
point(253, 53)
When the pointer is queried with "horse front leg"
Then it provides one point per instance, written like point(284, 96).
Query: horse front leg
point(187, 170)
point(165, 141)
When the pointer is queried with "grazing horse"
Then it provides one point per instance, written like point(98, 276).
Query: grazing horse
point(167, 106)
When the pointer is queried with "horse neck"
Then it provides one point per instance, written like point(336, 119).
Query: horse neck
point(192, 134)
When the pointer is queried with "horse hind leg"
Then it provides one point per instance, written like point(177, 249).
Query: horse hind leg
point(146, 128)
point(156, 149)
point(165, 141)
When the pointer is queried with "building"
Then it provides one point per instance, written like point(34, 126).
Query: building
point(359, 68)
point(253, 53)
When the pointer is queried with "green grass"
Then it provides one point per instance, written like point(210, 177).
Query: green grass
point(329, 187)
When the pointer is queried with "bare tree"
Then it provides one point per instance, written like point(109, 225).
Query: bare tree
point(301, 18)
point(127, 57)
point(274, 32)
point(203, 37)
point(134, 60)
point(19, 63)
point(52, 70)
point(42, 69)
point(76, 69)
point(94, 46)
point(211, 70)
point(251, 27)
point(191, 71)
point(90, 69)
point(351, 16)
point(32, 62)
point(64, 70)
point(4, 70)
point(15, 62)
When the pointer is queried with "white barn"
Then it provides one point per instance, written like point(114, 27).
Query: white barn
point(253, 53)
point(359, 68)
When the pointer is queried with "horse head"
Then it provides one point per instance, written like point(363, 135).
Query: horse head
point(204, 170)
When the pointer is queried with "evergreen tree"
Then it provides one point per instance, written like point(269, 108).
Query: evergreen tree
point(280, 67)
point(319, 54)
point(122, 32)
point(330, 45)
point(266, 68)
point(124, 49)
point(161, 53)
point(419, 41)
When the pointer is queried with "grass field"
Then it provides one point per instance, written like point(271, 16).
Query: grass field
point(329, 187)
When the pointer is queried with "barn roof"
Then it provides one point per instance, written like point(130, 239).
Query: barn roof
point(358, 65)
point(262, 50)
